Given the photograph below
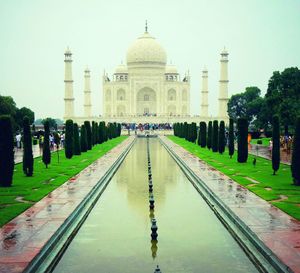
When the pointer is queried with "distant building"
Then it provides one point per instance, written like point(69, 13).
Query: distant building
point(146, 89)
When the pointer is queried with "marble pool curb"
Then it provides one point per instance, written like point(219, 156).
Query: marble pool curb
point(33, 240)
point(268, 256)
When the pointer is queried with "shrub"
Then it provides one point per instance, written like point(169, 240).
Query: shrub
point(209, 135)
point(27, 153)
point(6, 151)
point(83, 139)
point(69, 139)
point(202, 134)
point(215, 134)
point(77, 148)
point(242, 125)
point(259, 141)
point(46, 146)
point(221, 142)
point(276, 144)
point(296, 155)
point(88, 134)
point(231, 138)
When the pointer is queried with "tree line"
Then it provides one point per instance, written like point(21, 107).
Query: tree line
point(282, 98)
point(214, 137)
point(77, 140)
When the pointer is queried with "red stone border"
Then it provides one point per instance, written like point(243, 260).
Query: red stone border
point(24, 237)
point(277, 230)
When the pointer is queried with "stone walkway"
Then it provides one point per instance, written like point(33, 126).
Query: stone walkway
point(264, 152)
point(24, 237)
point(35, 151)
point(276, 229)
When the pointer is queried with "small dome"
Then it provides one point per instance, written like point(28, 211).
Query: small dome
point(171, 69)
point(224, 51)
point(120, 69)
point(68, 51)
point(146, 50)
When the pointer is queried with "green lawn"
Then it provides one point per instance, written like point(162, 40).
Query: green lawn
point(278, 189)
point(25, 191)
point(265, 141)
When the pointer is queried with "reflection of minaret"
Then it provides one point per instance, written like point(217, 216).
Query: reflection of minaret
point(204, 92)
point(69, 99)
point(87, 94)
point(223, 91)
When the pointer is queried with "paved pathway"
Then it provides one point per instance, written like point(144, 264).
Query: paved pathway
point(35, 151)
point(24, 237)
point(276, 229)
point(264, 151)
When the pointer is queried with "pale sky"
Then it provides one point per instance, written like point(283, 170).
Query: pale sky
point(261, 36)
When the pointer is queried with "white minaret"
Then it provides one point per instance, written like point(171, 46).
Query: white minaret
point(87, 94)
point(69, 99)
point(204, 93)
point(223, 91)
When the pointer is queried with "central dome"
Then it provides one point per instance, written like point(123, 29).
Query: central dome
point(146, 50)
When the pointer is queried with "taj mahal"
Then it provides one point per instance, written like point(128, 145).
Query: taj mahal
point(146, 89)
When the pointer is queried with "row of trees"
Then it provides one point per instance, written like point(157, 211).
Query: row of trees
point(76, 141)
point(282, 98)
point(213, 137)
point(9, 107)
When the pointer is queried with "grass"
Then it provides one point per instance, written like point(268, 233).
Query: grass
point(269, 187)
point(32, 189)
point(265, 141)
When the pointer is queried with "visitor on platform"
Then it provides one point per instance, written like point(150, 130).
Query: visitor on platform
point(18, 140)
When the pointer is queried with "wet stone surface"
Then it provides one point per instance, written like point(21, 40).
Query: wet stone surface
point(23, 237)
point(279, 231)
point(116, 236)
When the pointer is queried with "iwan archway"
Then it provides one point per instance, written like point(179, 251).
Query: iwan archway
point(146, 103)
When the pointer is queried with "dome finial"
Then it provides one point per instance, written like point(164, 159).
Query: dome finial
point(146, 27)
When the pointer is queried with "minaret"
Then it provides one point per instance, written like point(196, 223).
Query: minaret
point(223, 91)
point(87, 94)
point(204, 93)
point(69, 99)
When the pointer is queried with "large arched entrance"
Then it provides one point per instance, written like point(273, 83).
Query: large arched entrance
point(146, 102)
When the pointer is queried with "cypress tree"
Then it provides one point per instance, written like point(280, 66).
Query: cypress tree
point(295, 166)
point(93, 133)
point(222, 137)
point(46, 147)
point(185, 130)
point(202, 134)
point(6, 151)
point(27, 152)
point(88, 134)
point(209, 135)
point(101, 132)
point(69, 139)
point(83, 140)
point(231, 138)
point(77, 148)
point(119, 129)
point(215, 133)
point(199, 135)
point(97, 132)
point(194, 132)
point(276, 144)
point(242, 154)
point(105, 132)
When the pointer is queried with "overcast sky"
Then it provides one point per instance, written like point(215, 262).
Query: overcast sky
point(261, 36)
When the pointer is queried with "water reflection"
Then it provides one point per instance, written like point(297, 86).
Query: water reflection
point(115, 237)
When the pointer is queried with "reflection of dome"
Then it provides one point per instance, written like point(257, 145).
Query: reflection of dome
point(146, 49)
point(171, 69)
point(122, 68)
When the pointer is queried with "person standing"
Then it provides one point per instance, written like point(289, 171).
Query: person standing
point(18, 139)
